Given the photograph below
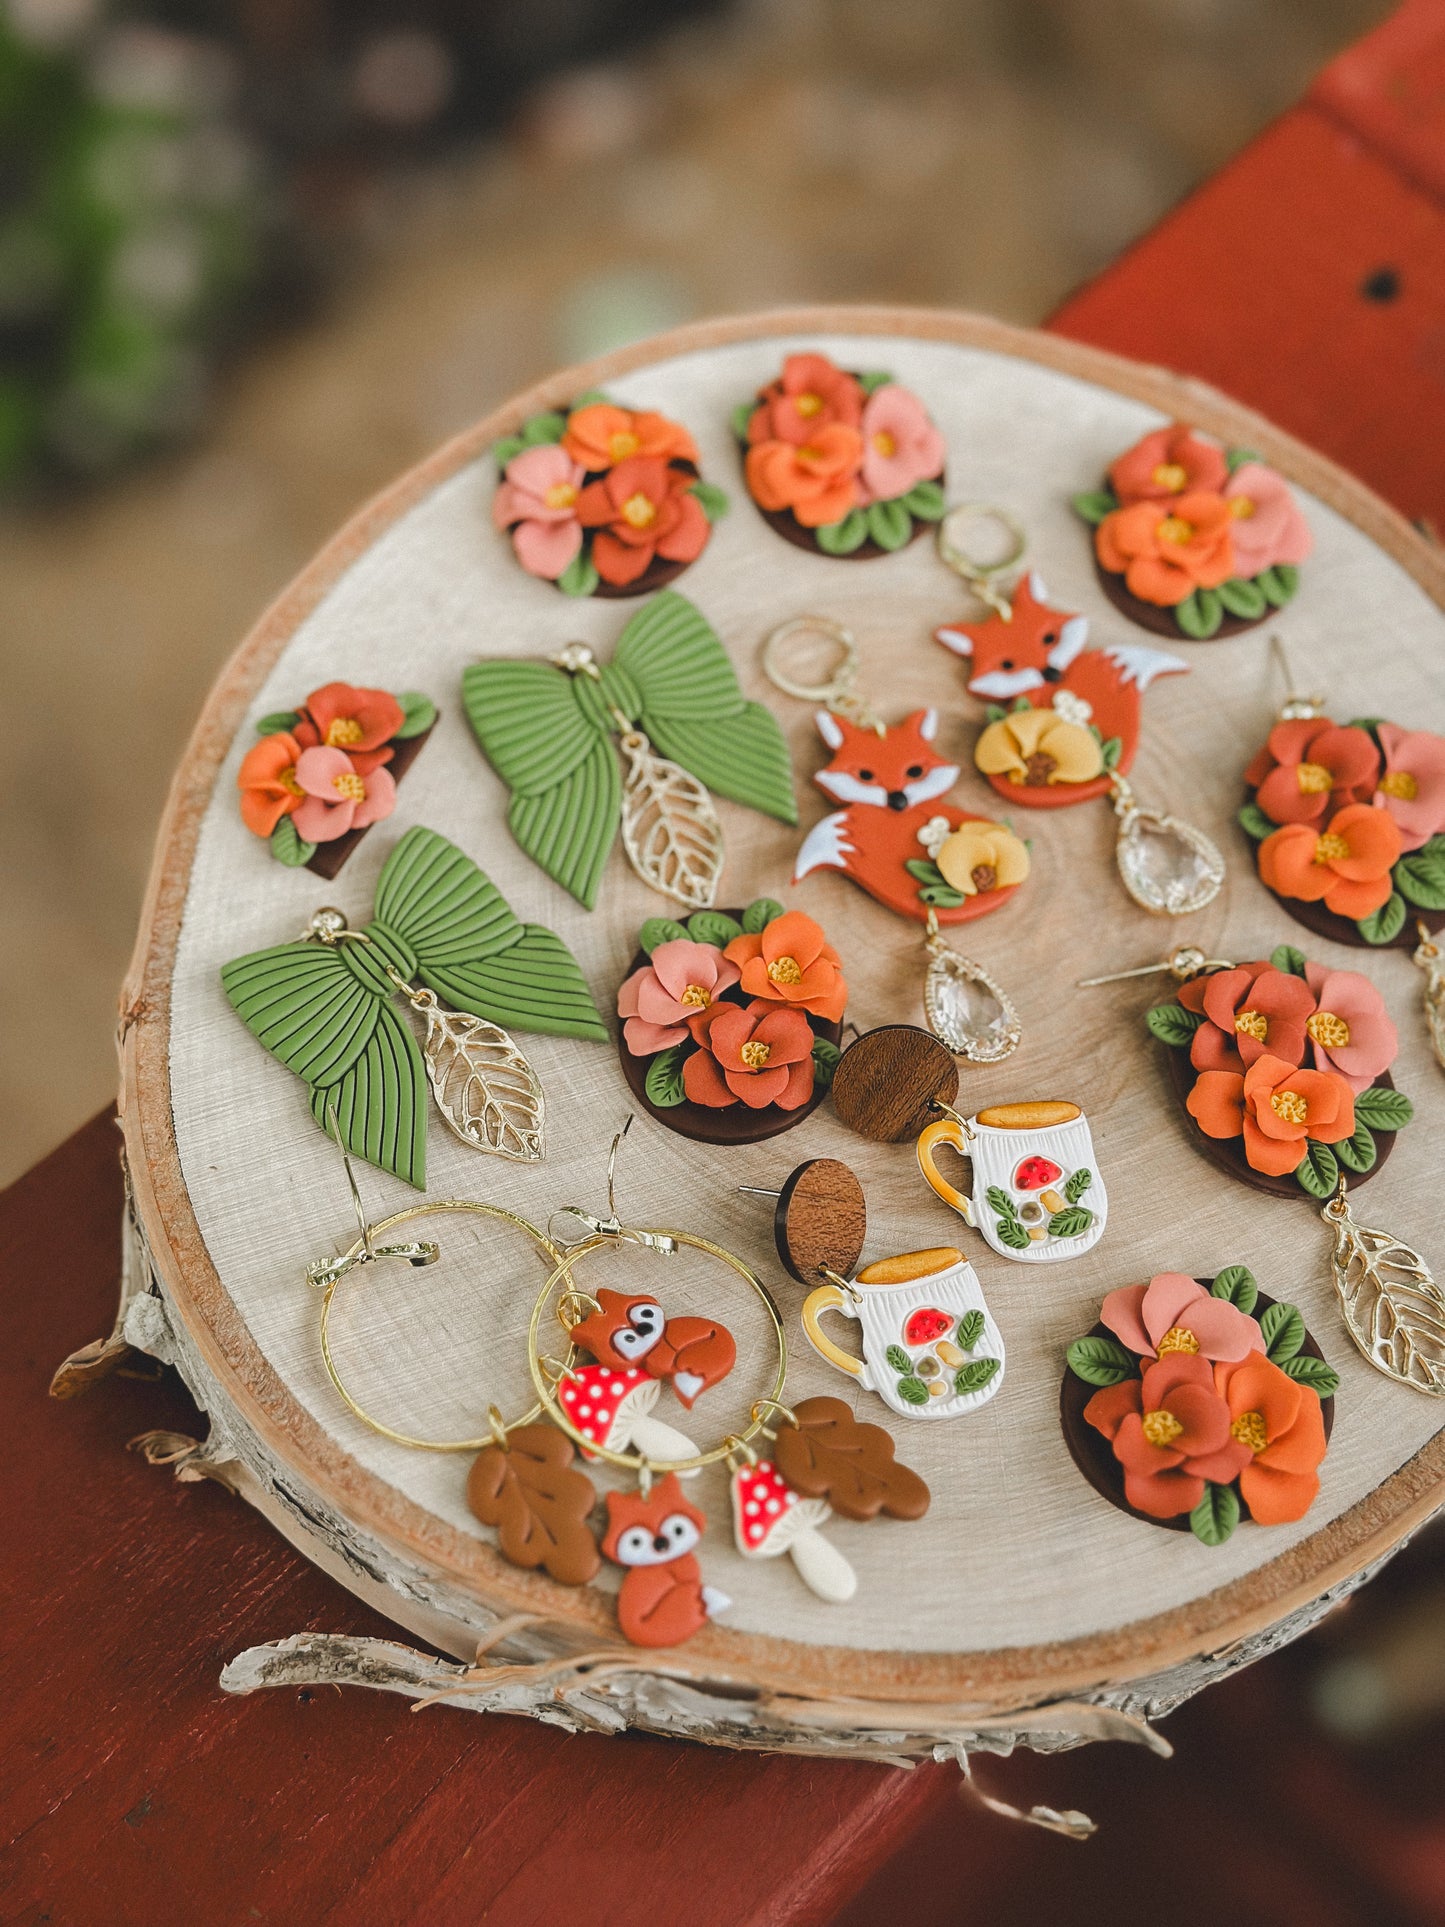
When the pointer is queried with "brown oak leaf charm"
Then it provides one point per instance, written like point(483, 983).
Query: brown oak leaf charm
point(831, 1455)
point(539, 1502)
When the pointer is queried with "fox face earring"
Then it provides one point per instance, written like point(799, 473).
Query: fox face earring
point(916, 855)
point(1063, 728)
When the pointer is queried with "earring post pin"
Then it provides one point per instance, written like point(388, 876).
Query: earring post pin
point(759, 1191)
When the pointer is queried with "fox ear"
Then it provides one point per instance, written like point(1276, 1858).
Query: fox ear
point(1037, 587)
point(958, 640)
point(928, 725)
point(829, 728)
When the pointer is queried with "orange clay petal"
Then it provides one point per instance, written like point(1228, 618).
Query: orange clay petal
point(1277, 1498)
point(262, 810)
point(1287, 864)
point(1107, 1409)
point(617, 562)
point(1217, 1103)
point(1156, 581)
point(771, 475)
point(1374, 839)
point(1357, 900)
point(1301, 1446)
point(1277, 1157)
point(743, 949)
point(795, 935)
point(829, 506)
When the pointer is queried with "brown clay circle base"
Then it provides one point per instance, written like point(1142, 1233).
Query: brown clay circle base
point(1160, 622)
point(1093, 1454)
point(890, 1082)
point(728, 1124)
point(1228, 1152)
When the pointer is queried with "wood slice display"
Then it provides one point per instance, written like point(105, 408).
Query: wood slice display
point(1019, 1610)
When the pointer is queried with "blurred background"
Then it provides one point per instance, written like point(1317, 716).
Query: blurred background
point(257, 257)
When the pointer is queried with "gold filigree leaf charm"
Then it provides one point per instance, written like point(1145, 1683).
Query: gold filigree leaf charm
point(1393, 1308)
point(1428, 957)
point(1169, 867)
point(670, 829)
point(483, 1085)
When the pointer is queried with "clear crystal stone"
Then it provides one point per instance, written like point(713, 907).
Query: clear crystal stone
point(967, 1010)
point(327, 922)
point(1167, 865)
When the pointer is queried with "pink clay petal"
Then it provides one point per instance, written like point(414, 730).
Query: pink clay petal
point(1223, 1330)
point(1121, 1312)
point(317, 770)
point(318, 822)
point(1167, 1295)
point(627, 992)
point(681, 962)
point(547, 549)
point(546, 466)
point(379, 801)
point(645, 1040)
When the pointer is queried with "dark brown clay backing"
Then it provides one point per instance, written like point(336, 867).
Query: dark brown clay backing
point(1092, 1452)
point(1228, 1152)
point(733, 1123)
point(890, 1081)
point(1160, 622)
point(820, 1221)
point(1324, 923)
point(656, 575)
point(331, 856)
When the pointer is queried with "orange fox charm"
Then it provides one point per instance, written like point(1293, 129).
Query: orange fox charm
point(691, 1353)
point(1040, 655)
point(889, 784)
point(662, 1600)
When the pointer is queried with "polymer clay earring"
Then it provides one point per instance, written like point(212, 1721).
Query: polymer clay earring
point(731, 1022)
point(672, 699)
point(1193, 540)
point(1349, 823)
point(1063, 728)
point(841, 463)
point(896, 839)
point(441, 932)
point(1283, 1067)
point(1194, 1403)
point(322, 774)
point(602, 500)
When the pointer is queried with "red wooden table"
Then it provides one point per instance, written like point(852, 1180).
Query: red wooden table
point(1309, 279)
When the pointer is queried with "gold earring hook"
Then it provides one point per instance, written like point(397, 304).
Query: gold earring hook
point(1296, 707)
point(1182, 964)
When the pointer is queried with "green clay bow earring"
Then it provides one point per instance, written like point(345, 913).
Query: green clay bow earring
point(670, 688)
point(325, 1007)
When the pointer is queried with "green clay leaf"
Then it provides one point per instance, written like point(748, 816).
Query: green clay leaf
point(942, 896)
point(1237, 457)
point(1216, 1515)
point(924, 869)
point(1110, 752)
point(1236, 1283)
point(1078, 1184)
point(1383, 1110)
point(288, 848)
point(1020, 706)
point(663, 1083)
point(1283, 1330)
point(1094, 504)
point(1285, 957)
point(580, 577)
point(741, 416)
point(995, 712)
point(714, 927)
point(889, 524)
point(1011, 1233)
point(590, 398)
point(1317, 1171)
point(419, 713)
point(1071, 1223)
point(1242, 598)
point(913, 1391)
point(973, 1376)
point(659, 930)
point(760, 913)
point(1358, 1152)
point(1279, 584)
point(379, 1105)
point(1420, 879)
point(1101, 1361)
point(278, 720)
point(970, 1329)
point(305, 1005)
point(1253, 821)
point(1387, 922)
point(873, 380)
point(842, 538)
point(1001, 1202)
point(898, 1359)
point(504, 450)
point(926, 501)
point(713, 500)
point(1173, 1025)
point(825, 1061)
point(543, 429)
point(1314, 1372)
point(1200, 614)
point(1371, 725)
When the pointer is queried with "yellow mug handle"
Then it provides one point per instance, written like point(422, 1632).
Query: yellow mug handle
point(828, 1298)
point(947, 1130)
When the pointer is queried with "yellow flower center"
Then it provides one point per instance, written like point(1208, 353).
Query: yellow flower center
point(1171, 476)
point(349, 787)
point(1290, 1106)
point(1327, 1029)
point(343, 732)
point(1331, 847)
point(1161, 1427)
point(784, 970)
point(1252, 1023)
point(1399, 782)
point(696, 996)
point(809, 455)
point(1314, 779)
point(1175, 529)
point(561, 495)
point(287, 779)
point(1241, 506)
point(639, 511)
point(808, 405)
point(885, 444)
point(623, 444)
point(1178, 1338)
point(1248, 1428)
point(755, 1055)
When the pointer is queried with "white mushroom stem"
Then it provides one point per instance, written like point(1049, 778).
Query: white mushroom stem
point(821, 1567)
point(659, 1442)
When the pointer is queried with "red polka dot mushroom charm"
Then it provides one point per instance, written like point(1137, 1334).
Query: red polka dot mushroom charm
point(611, 1406)
point(770, 1518)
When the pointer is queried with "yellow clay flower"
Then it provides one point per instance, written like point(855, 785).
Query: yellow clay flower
point(1036, 746)
point(983, 856)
